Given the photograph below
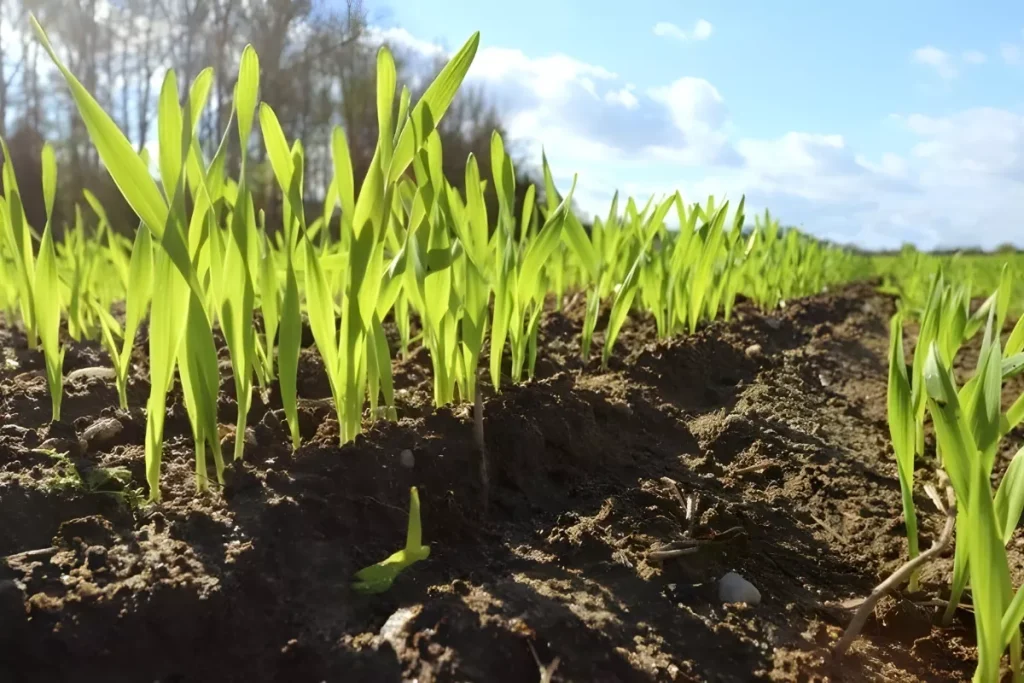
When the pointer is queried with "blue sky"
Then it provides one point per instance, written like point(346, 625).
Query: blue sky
point(871, 123)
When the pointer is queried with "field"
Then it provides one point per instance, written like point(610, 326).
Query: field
point(789, 444)
point(216, 433)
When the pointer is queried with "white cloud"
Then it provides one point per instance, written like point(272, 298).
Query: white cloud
point(666, 29)
point(693, 102)
point(937, 59)
point(960, 181)
point(585, 113)
point(400, 37)
point(698, 110)
point(919, 124)
point(892, 165)
point(961, 185)
point(624, 97)
point(974, 57)
point(545, 74)
point(798, 154)
point(701, 30)
point(983, 141)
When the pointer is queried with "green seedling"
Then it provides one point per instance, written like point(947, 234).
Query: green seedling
point(379, 577)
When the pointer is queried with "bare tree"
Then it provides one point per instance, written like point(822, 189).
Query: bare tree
point(318, 71)
point(9, 14)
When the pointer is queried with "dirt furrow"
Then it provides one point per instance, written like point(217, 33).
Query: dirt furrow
point(772, 425)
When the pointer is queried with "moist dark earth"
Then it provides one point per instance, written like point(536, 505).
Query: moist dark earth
point(773, 425)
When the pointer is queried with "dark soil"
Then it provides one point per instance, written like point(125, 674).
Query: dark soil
point(774, 424)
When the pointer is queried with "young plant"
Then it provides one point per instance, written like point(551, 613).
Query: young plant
point(522, 271)
point(902, 430)
point(179, 313)
point(137, 298)
point(46, 290)
point(17, 235)
point(237, 276)
point(627, 289)
point(379, 577)
point(967, 435)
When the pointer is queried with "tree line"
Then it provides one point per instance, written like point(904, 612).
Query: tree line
point(317, 62)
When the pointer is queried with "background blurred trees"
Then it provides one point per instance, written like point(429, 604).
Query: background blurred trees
point(317, 64)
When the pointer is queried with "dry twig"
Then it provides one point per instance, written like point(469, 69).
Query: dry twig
point(752, 468)
point(687, 506)
point(689, 546)
point(831, 532)
point(37, 554)
point(901, 574)
point(546, 672)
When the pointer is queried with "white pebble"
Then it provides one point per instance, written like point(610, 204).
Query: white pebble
point(734, 588)
point(753, 351)
point(91, 373)
point(408, 461)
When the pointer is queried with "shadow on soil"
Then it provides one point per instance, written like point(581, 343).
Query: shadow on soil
point(766, 422)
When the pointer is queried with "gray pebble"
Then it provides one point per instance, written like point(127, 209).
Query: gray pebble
point(408, 459)
point(734, 588)
point(101, 431)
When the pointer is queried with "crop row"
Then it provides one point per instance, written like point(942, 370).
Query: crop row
point(409, 246)
point(970, 426)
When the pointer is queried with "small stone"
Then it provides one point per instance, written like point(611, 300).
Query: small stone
point(734, 419)
point(102, 431)
point(30, 439)
point(396, 629)
point(408, 459)
point(91, 373)
point(271, 420)
point(734, 588)
point(60, 430)
point(14, 431)
point(773, 323)
point(754, 351)
point(92, 531)
point(96, 557)
point(902, 619)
